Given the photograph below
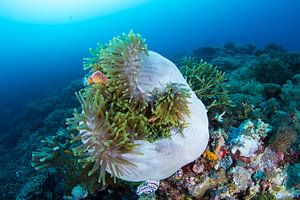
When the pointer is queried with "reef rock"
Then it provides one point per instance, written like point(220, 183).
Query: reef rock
point(248, 137)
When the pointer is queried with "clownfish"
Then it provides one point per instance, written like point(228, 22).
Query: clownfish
point(97, 78)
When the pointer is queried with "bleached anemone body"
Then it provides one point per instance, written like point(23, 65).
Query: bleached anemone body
point(145, 122)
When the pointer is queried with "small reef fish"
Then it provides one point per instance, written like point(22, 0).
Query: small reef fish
point(147, 187)
point(219, 117)
point(98, 78)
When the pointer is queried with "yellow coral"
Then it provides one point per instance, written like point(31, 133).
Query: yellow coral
point(210, 155)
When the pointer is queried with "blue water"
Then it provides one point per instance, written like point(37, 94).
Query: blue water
point(39, 53)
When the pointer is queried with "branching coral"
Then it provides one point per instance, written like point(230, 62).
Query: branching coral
point(207, 83)
point(271, 70)
point(54, 149)
point(293, 179)
point(290, 92)
point(57, 152)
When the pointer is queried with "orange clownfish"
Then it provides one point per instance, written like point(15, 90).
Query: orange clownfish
point(97, 77)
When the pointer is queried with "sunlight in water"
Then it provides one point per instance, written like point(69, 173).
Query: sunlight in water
point(61, 11)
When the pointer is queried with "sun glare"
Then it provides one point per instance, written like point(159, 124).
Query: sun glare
point(61, 11)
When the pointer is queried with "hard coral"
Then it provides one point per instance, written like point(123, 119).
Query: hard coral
point(207, 82)
point(271, 70)
point(293, 179)
point(241, 177)
point(283, 139)
point(247, 138)
point(53, 151)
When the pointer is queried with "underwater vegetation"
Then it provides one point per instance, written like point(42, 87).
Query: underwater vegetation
point(253, 150)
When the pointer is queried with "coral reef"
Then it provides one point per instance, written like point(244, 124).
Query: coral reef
point(207, 82)
point(54, 150)
point(293, 179)
point(115, 112)
point(253, 150)
point(37, 187)
point(258, 159)
point(276, 68)
point(283, 139)
point(275, 64)
point(30, 127)
point(249, 169)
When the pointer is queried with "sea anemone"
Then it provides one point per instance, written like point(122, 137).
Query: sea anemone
point(170, 108)
point(121, 61)
point(125, 119)
point(104, 135)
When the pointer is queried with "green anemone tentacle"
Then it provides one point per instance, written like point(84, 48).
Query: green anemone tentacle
point(121, 61)
point(103, 135)
point(170, 108)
